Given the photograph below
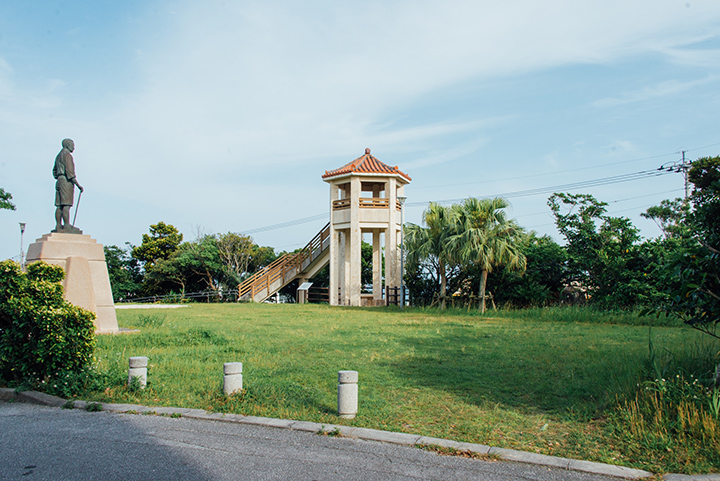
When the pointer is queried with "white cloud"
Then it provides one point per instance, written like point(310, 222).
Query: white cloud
point(224, 95)
point(272, 82)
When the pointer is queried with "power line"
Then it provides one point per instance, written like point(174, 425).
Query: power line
point(703, 147)
point(572, 186)
point(570, 170)
point(611, 201)
point(523, 193)
point(552, 173)
point(290, 223)
point(680, 167)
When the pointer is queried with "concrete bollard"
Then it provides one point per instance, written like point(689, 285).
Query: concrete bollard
point(347, 394)
point(232, 379)
point(138, 369)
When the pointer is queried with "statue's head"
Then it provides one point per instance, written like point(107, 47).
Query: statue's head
point(68, 144)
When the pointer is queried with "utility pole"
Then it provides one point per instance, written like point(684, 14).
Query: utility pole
point(682, 167)
point(22, 251)
point(685, 166)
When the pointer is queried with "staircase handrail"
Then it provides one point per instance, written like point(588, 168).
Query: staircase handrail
point(280, 266)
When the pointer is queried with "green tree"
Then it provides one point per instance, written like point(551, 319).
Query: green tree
point(366, 264)
point(261, 257)
point(5, 200)
point(193, 267)
point(124, 271)
point(165, 276)
point(603, 253)
point(163, 240)
point(202, 263)
point(695, 279)
point(236, 253)
point(543, 280)
point(669, 217)
point(486, 238)
point(429, 246)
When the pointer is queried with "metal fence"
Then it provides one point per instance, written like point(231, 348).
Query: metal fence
point(395, 295)
point(230, 295)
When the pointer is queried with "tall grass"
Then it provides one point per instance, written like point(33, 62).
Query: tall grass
point(502, 379)
point(671, 421)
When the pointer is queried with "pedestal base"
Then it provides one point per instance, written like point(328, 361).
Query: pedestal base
point(67, 230)
point(86, 283)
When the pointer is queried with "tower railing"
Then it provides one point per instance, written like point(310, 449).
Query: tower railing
point(365, 203)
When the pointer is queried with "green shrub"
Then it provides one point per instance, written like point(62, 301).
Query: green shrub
point(45, 342)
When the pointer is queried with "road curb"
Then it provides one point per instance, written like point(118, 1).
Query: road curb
point(366, 434)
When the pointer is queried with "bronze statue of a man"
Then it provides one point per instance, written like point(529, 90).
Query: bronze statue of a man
point(64, 172)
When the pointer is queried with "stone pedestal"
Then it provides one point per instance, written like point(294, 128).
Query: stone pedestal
point(86, 283)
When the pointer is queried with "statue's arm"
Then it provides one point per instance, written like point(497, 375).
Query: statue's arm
point(70, 171)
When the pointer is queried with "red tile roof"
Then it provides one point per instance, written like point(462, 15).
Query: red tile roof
point(367, 164)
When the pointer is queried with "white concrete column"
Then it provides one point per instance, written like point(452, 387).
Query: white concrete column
point(391, 246)
point(334, 250)
point(232, 377)
point(138, 370)
point(341, 268)
point(347, 394)
point(355, 237)
point(400, 234)
point(346, 268)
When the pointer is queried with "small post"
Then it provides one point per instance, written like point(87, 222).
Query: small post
point(347, 394)
point(232, 379)
point(138, 369)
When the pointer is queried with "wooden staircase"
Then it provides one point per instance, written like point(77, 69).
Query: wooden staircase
point(305, 263)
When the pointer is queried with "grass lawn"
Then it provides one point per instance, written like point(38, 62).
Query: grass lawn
point(500, 379)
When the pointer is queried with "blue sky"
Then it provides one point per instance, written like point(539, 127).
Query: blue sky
point(221, 116)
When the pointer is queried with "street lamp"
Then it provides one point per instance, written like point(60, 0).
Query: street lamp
point(22, 252)
point(402, 199)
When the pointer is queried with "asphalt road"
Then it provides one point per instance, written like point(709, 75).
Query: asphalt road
point(48, 443)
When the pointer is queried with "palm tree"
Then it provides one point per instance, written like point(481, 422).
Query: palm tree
point(423, 243)
point(486, 237)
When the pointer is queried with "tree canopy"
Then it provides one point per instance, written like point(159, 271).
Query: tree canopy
point(163, 264)
point(467, 240)
point(5, 200)
point(694, 281)
point(484, 236)
point(163, 240)
point(430, 244)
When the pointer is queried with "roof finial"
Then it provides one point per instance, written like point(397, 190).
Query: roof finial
point(367, 150)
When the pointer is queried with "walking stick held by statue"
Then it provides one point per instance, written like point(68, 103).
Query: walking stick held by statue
point(76, 208)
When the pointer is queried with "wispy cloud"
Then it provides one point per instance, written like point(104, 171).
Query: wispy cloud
point(663, 89)
point(444, 156)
